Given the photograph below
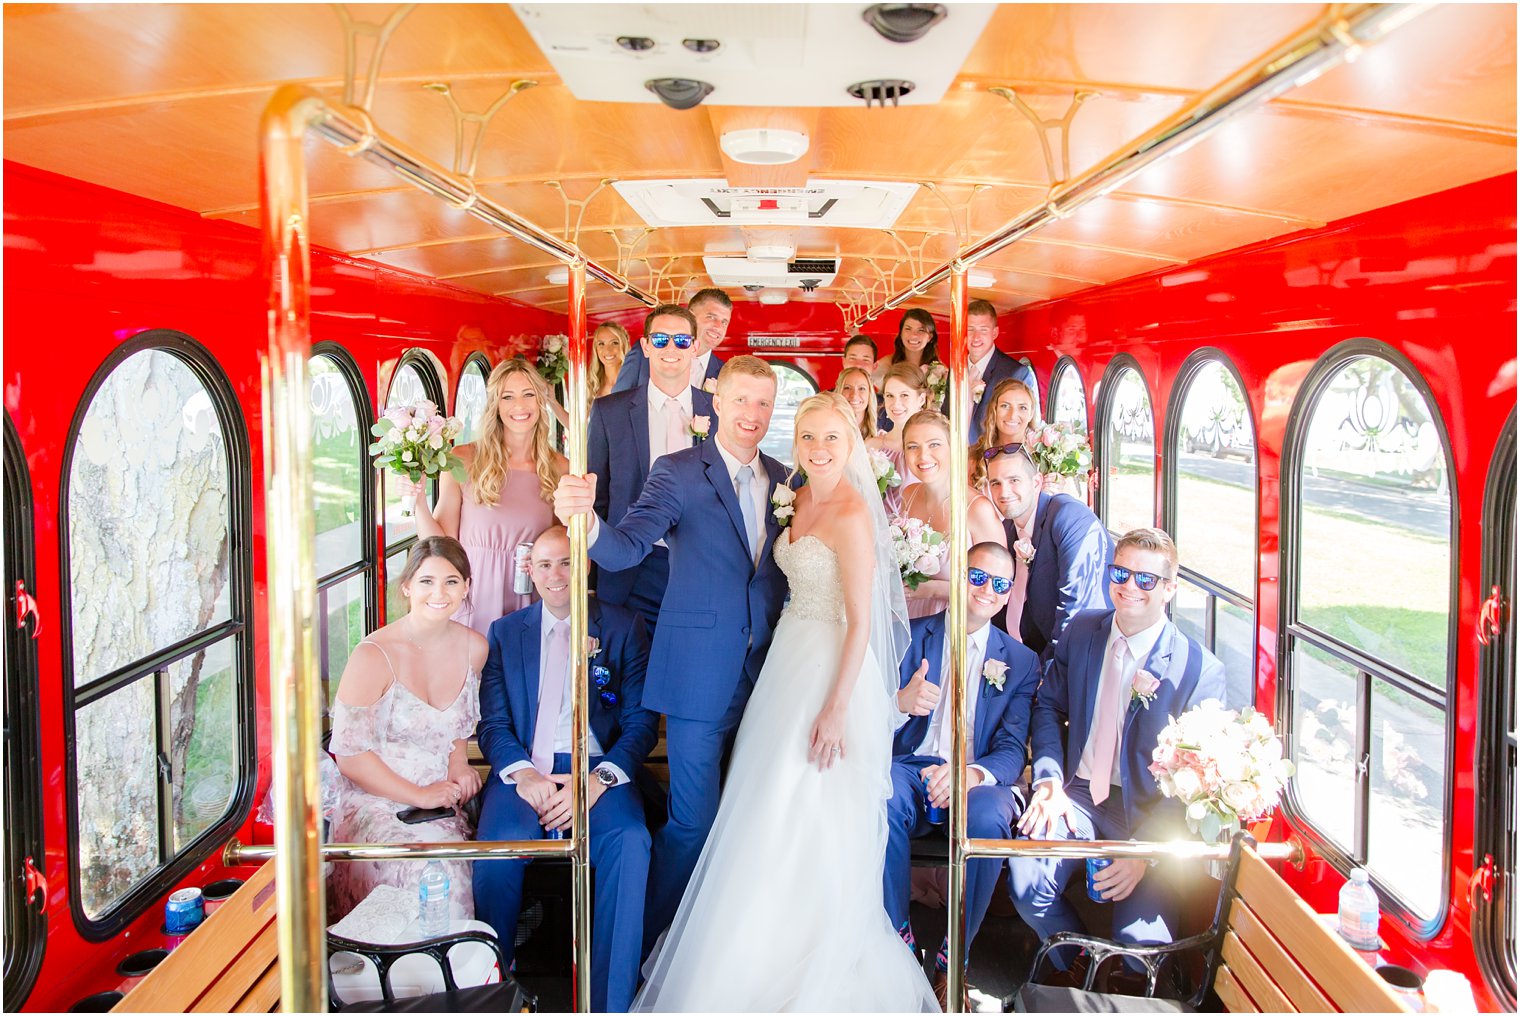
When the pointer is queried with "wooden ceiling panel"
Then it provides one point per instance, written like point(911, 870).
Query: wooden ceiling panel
point(1174, 230)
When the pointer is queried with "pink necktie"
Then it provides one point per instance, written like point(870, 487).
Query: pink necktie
point(675, 426)
point(1106, 723)
point(1017, 596)
point(551, 693)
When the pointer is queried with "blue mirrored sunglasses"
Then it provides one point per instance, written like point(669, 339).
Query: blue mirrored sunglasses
point(660, 340)
point(1146, 581)
point(979, 578)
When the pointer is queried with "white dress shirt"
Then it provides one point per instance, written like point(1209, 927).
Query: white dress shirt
point(979, 367)
point(759, 487)
point(562, 743)
point(699, 368)
point(937, 740)
point(1140, 645)
point(657, 400)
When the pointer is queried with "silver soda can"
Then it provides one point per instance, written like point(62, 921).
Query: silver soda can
point(522, 582)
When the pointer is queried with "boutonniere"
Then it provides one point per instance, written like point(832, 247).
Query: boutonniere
point(593, 646)
point(1143, 688)
point(1024, 550)
point(977, 390)
point(602, 677)
point(781, 500)
point(710, 386)
point(995, 672)
point(699, 427)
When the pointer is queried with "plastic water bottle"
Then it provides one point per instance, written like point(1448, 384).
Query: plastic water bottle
point(1359, 912)
point(433, 900)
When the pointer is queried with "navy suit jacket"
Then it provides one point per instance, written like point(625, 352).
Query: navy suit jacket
point(720, 607)
point(617, 451)
point(1188, 673)
point(634, 373)
point(1069, 572)
point(999, 742)
point(999, 368)
point(509, 688)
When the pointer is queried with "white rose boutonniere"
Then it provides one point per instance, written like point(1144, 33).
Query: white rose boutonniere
point(699, 427)
point(710, 386)
point(977, 390)
point(1024, 550)
point(593, 646)
point(781, 500)
point(995, 673)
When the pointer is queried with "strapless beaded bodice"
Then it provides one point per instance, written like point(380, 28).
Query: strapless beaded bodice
point(812, 572)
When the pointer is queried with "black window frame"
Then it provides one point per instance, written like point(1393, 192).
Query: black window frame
point(26, 924)
point(1058, 372)
point(1213, 590)
point(1494, 834)
point(1369, 669)
point(433, 387)
point(779, 362)
point(1117, 366)
point(239, 627)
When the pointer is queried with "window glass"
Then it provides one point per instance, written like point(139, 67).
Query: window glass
point(342, 627)
point(1129, 455)
point(203, 739)
point(117, 793)
point(470, 401)
point(395, 603)
point(1375, 553)
point(1069, 400)
point(148, 515)
point(1235, 645)
point(340, 461)
point(1216, 481)
point(793, 386)
point(1325, 696)
point(1407, 810)
point(407, 388)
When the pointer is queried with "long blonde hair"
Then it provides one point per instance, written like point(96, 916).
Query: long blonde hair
point(990, 428)
point(488, 469)
point(825, 400)
point(597, 378)
point(868, 417)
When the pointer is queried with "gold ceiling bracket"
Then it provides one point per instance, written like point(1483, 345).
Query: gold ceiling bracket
point(480, 121)
point(960, 215)
point(1044, 125)
point(381, 33)
point(627, 248)
point(579, 204)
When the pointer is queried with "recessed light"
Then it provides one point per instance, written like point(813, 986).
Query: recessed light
point(558, 276)
point(764, 146)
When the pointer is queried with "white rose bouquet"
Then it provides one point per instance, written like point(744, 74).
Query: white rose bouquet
point(416, 442)
point(937, 377)
point(1226, 767)
point(884, 471)
point(919, 549)
point(553, 361)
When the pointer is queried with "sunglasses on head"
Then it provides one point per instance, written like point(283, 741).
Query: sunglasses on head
point(1144, 580)
point(1007, 449)
point(979, 578)
point(660, 340)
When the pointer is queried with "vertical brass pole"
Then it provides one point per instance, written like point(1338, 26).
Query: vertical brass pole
point(579, 410)
point(960, 431)
point(295, 704)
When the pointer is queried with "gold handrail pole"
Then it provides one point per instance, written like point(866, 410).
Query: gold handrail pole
point(960, 429)
point(579, 398)
point(290, 534)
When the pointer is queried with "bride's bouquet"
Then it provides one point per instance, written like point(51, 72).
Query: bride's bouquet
point(1226, 767)
point(919, 549)
point(884, 471)
point(415, 442)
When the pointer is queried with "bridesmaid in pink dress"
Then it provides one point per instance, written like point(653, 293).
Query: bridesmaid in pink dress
point(926, 448)
point(902, 394)
point(507, 499)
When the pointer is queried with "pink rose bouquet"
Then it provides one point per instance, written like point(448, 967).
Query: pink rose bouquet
point(1058, 448)
point(919, 549)
point(553, 360)
point(416, 442)
point(1226, 767)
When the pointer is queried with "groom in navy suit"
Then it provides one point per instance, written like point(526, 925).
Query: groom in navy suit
point(525, 732)
point(630, 430)
point(711, 505)
point(1116, 678)
point(1061, 552)
point(712, 310)
point(989, 365)
point(1001, 680)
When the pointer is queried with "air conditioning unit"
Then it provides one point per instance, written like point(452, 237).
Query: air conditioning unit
point(805, 274)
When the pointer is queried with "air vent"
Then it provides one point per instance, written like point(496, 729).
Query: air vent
point(813, 266)
point(880, 91)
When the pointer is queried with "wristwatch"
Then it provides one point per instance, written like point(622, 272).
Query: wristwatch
point(606, 777)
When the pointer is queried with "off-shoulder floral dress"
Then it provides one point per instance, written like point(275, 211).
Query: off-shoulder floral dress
point(414, 739)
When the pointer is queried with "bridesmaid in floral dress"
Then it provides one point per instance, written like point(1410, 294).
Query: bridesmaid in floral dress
point(513, 472)
point(408, 701)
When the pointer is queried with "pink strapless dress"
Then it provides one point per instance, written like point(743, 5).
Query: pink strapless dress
point(489, 536)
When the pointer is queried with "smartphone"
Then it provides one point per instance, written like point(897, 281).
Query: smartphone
point(412, 816)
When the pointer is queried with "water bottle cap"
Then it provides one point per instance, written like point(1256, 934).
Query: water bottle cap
point(1359, 876)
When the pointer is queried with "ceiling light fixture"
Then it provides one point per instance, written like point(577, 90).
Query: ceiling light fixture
point(980, 280)
point(773, 297)
point(764, 146)
point(558, 276)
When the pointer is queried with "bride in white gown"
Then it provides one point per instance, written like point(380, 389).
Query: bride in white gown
point(784, 911)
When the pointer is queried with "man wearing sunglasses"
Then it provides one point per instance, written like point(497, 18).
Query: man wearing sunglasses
point(629, 431)
point(1115, 678)
point(711, 310)
point(1001, 678)
point(1070, 550)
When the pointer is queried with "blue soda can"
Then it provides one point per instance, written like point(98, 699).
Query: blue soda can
point(1095, 865)
point(554, 834)
point(936, 816)
point(184, 911)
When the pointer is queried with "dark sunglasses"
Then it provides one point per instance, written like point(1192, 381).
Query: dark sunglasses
point(1007, 449)
point(1146, 581)
point(660, 340)
point(979, 578)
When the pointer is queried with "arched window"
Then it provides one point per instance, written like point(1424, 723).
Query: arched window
point(793, 386)
point(1213, 504)
point(1368, 543)
point(470, 397)
point(415, 378)
point(1127, 454)
point(1068, 399)
point(160, 705)
point(340, 409)
point(25, 913)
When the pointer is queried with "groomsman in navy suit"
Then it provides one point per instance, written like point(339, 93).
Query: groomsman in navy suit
point(1001, 680)
point(1061, 552)
point(1116, 678)
point(712, 310)
point(630, 430)
point(524, 734)
point(711, 504)
point(989, 365)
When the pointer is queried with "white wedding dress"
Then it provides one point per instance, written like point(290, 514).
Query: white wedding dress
point(784, 911)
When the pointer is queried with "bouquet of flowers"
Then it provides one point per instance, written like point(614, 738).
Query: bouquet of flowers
point(920, 551)
point(552, 362)
point(1226, 767)
point(415, 442)
point(1059, 448)
point(937, 377)
point(884, 470)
